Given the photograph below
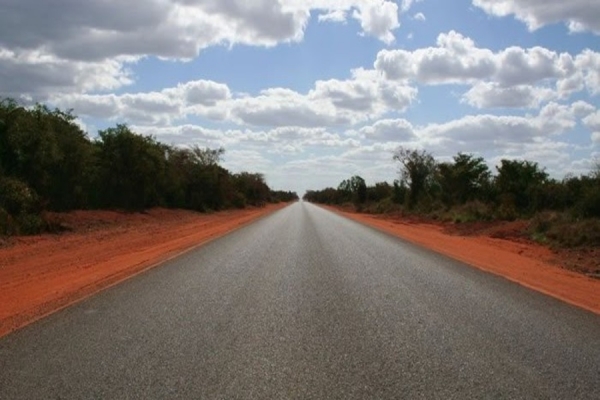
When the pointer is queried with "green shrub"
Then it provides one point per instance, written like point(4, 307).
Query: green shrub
point(589, 205)
point(385, 206)
point(472, 211)
point(507, 209)
point(7, 224)
point(16, 197)
point(29, 224)
point(562, 230)
point(239, 200)
point(543, 222)
point(579, 233)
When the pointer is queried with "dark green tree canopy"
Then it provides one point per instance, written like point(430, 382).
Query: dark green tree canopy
point(417, 168)
point(464, 179)
point(518, 181)
point(354, 189)
point(48, 163)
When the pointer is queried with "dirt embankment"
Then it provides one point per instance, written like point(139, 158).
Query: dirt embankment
point(41, 274)
point(519, 260)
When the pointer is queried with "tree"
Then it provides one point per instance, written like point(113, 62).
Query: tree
point(463, 180)
point(210, 187)
point(71, 174)
point(585, 193)
point(9, 110)
point(131, 170)
point(595, 174)
point(417, 170)
point(381, 191)
point(325, 196)
point(400, 192)
point(206, 156)
point(253, 187)
point(179, 170)
point(47, 162)
point(518, 183)
point(283, 196)
point(48, 151)
point(354, 189)
point(344, 192)
point(196, 180)
point(359, 190)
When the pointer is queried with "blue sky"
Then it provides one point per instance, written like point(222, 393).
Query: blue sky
point(311, 92)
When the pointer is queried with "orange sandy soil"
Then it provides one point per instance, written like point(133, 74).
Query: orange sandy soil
point(42, 274)
point(502, 249)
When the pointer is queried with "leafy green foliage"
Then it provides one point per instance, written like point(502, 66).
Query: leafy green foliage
point(400, 192)
point(464, 191)
point(379, 192)
point(417, 170)
point(130, 169)
point(466, 179)
point(354, 189)
point(325, 196)
point(48, 163)
point(519, 184)
point(252, 187)
point(278, 196)
point(16, 197)
point(47, 150)
point(19, 208)
point(564, 230)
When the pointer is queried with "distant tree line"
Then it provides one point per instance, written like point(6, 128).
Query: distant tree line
point(47, 163)
point(465, 189)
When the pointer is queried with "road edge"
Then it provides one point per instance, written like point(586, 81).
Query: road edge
point(369, 221)
point(17, 322)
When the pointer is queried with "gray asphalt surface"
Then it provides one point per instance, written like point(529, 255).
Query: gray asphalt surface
point(305, 304)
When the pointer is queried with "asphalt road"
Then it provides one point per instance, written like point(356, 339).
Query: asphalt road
point(305, 304)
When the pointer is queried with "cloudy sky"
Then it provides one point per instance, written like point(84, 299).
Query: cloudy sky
point(311, 92)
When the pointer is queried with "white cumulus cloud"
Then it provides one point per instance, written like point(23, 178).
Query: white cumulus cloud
point(420, 17)
point(592, 122)
point(493, 95)
point(579, 15)
point(499, 78)
point(88, 46)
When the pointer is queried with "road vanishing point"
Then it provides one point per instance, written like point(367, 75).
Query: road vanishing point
point(305, 304)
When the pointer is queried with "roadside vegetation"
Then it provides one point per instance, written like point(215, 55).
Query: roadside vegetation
point(563, 213)
point(47, 163)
